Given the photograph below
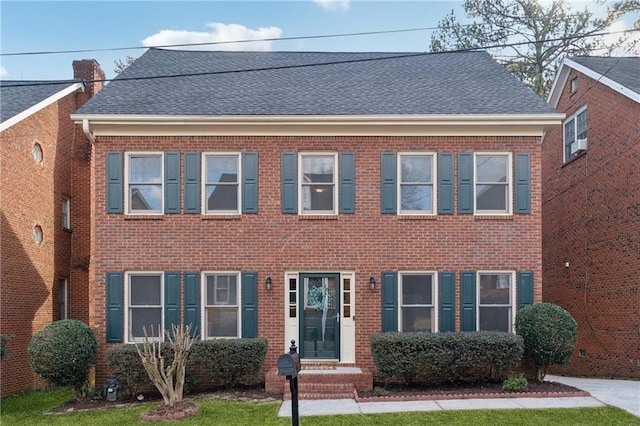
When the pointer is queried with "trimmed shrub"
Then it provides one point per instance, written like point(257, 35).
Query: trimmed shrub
point(126, 367)
point(515, 383)
point(549, 333)
point(229, 362)
point(63, 353)
point(426, 357)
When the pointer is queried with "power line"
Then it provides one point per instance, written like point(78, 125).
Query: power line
point(317, 64)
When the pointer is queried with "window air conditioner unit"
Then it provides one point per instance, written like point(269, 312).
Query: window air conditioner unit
point(579, 145)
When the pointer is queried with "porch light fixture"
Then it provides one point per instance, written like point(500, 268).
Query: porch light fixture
point(268, 283)
point(372, 283)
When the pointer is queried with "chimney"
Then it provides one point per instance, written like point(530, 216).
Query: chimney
point(88, 70)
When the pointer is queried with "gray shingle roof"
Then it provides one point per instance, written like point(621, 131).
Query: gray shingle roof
point(365, 84)
point(16, 99)
point(623, 70)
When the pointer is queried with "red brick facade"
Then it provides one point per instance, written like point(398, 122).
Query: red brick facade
point(32, 196)
point(591, 223)
point(272, 243)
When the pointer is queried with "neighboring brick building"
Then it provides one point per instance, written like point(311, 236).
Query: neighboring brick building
point(591, 212)
point(42, 217)
point(320, 197)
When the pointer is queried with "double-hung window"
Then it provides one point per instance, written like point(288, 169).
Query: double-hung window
point(416, 183)
point(495, 301)
point(317, 183)
point(66, 221)
point(575, 134)
point(417, 301)
point(144, 185)
point(62, 298)
point(221, 304)
point(492, 183)
point(144, 305)
point(221, 175)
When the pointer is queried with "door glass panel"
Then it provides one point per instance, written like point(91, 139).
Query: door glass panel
point(320, 317)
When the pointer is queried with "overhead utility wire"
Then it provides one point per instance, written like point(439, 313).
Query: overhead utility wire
point(309, 65)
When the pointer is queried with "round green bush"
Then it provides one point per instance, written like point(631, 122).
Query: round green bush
point(63, 353)
point(549, 333)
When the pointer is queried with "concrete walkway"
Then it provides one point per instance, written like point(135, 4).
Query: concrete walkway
point(620, 393)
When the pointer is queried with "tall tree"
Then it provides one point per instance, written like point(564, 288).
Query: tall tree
point(548, 32)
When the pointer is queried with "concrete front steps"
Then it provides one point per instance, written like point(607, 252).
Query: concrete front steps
point(318, 381)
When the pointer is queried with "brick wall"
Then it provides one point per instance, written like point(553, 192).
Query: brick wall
point(591, 218)
point(271, 243)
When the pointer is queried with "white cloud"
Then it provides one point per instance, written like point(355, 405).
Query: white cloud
point(333, 5)
point(3, 71)
point(220, 33)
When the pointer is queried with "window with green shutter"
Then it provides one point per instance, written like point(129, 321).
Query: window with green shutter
point(389, 301)
point(445, 183)
point(114, 287)
point(467, 301)
point(388, 183)
point(115, 182)
point(446, 295)
point(249, 304)
point(172, 182)
point(192, 182)
point(192, 302)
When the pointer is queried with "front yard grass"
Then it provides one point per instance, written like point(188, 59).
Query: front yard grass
point(30, 409)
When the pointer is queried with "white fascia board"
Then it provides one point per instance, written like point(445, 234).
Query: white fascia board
point(40, 105)
point(558, 84)
point(506, 124)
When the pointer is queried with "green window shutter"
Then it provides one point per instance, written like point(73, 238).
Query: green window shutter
point(347, 191)
point(468, 301)
point(523, 183)
point(114, 307)
point(445, 183)
point(249, 304)
point(465, 183)
point(388, 177)
point(250, 182)
point(192, 182)
point(171, 300)
point(389, 301)
point(172, 182)
point(525, 289)
point(447, 315)
point(192, 302)
point(114, 182)
point(289, 182)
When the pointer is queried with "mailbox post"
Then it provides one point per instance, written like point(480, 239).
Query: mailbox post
point(289, 366)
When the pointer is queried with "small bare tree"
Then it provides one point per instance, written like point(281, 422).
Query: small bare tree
point(169, 379)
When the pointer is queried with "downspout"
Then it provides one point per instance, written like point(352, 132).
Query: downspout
point(87, 132)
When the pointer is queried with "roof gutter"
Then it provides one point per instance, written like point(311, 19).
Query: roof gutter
point(87, 131)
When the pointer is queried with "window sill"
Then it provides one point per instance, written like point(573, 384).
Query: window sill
point(144, 217)
point(572, 159)
point(418, 217)
point(221, 217)
point(68, 230)
point(494, 217)
point(318, 217)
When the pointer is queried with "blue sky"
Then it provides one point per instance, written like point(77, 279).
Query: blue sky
point(30, 26)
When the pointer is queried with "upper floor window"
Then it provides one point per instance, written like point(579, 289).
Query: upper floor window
point(221, 307)
point(575, 134)
point(492, 183)
point(144, 186)
point(221, 183)
point(144, 305)
point(416, 183)
point(417, 302)
point(66, 222)
point(62, 298)
point(495, 301)
point(317, 183)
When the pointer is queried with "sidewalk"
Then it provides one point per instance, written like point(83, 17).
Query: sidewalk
point(620, 393)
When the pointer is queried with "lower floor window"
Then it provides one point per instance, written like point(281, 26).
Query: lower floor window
point(417, 309)
point(62, 298)
point(144, 297)
point(221, 308)
point(495, 297)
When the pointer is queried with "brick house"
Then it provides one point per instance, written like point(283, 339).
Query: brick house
point(591, 212)
point(43, 264)
point(315, 197)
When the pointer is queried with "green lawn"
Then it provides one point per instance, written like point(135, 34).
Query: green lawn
point(30, 409)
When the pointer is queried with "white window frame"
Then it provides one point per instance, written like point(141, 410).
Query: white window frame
point(64, 301)
point(509, 185)
point(511, 305)
point(127, 305)
point(336, 185)
point(127, 183)
point(238, 208)
point(204, 306)
point(565, 142)
point(66, 212)
point(434, 297)
point(434, 185)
